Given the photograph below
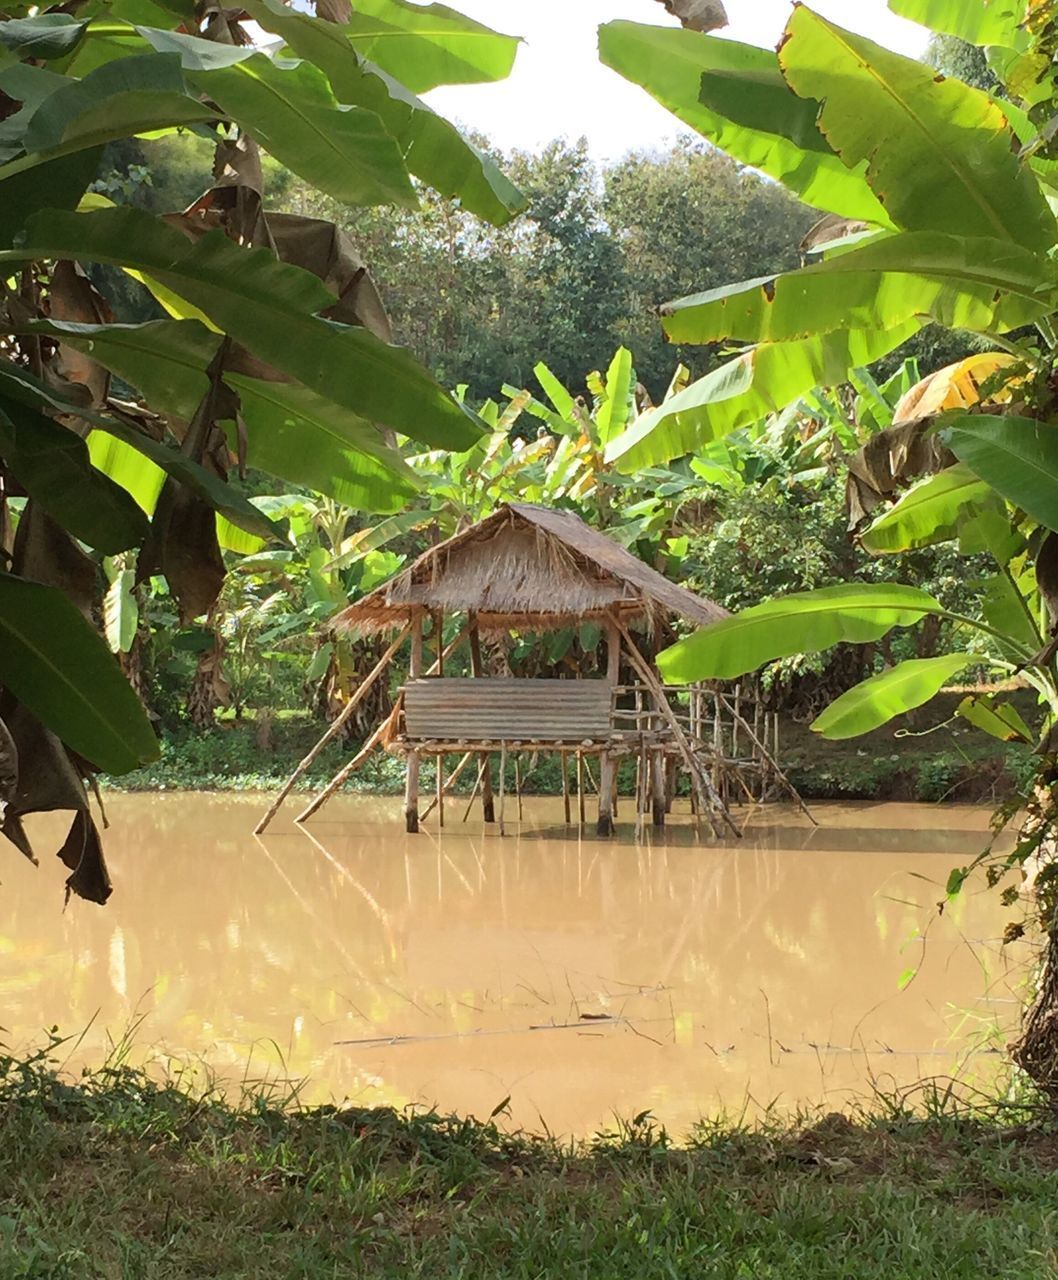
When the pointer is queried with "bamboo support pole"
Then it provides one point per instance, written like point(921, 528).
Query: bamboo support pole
point(503, 782)
point(482, 770)
point(343, 774)
point(710, 800)
point(718, 743)
point(604, 825)
point(773, 764)
point(734, 723)
point(477, 670)
point(518, 783)
point(334, 729)
point(566, 806)
point(411, 773)
point(580, 789)
point(446, 784)
point(644, 787)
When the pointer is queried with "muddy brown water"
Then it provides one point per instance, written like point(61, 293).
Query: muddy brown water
point(582, 979)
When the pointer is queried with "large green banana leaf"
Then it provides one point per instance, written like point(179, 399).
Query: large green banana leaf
point(433, 149)
point(619, 403)
point(960, 282)
point(122, 98)
point(981, 22)
point(929, 512)
point(1017, 456)
point(53, 466)
point(45, 36)
point(1011, 605)
point(269, 307)
point(806, 622)
point(762, 380)
point(288, 107)
point(18, 384)
point(669, 63)
point(55, 662)
point(298, 436)
point(424, 46)
point(291, 110)
point(291, 432)
point(940, 155)
point(888, 694)
point(56, 184)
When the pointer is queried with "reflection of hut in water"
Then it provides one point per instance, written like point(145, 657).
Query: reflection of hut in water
point(531, 570)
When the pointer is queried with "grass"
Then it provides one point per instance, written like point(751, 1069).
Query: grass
point(119, 1176)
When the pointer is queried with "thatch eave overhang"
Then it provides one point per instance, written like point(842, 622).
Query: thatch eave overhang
point(527, 568)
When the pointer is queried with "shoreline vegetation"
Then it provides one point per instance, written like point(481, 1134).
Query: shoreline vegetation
point(117, 1174)
point(913, 759)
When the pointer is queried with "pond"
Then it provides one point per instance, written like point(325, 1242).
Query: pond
point(578, 979)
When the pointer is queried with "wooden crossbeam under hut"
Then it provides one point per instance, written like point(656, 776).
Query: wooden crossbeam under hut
point(531, 570)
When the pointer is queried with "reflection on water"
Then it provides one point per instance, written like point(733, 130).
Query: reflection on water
point(583, 979)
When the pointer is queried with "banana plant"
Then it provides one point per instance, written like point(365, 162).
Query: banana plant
point(945, 198)
point(946, 190)
point(270, 350)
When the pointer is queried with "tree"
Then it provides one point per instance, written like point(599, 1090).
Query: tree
point(580, 272)
point(687, 220)
point(275, 351)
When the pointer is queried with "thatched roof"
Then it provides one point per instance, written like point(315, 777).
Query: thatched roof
point(530, 568)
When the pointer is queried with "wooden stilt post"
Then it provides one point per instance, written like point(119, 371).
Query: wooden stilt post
point(580, 789)
point(335, 728)
point(518, 783)
point(477, 670)
point(642, 789)
point(566, 807)
point(439, 663)
point(659, 797)
point(607, 777)
point(503, 782)
point(411, 776)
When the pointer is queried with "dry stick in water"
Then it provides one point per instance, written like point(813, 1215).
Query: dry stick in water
point(769, 760)
point(335, 729)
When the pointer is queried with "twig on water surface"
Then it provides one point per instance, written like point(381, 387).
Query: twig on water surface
point(586, 1022)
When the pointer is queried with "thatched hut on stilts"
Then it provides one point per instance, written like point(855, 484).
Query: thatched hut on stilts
point(530, 569)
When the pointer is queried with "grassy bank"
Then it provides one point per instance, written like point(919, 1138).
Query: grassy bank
point(899, 762)
point(117, 1177)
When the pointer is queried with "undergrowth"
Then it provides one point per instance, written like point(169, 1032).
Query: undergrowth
point(118, 1175)
point(229, 758)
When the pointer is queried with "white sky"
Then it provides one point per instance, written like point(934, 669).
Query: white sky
point(559, 87)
